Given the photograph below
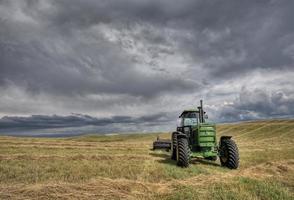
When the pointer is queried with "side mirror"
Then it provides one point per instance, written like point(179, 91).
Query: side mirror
point(205, 116)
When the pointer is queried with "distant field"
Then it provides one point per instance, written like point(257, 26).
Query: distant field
point(124, 167)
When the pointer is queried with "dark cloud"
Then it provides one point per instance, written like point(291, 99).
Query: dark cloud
point(48, 58)
point(78, 123)
point(240, 37)
point(144, 58)
point(76, 120)
point(43, 121)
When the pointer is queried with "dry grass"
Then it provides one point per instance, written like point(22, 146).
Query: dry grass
point(124, 167)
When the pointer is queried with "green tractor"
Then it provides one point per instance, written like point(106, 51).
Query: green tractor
point(196, 138)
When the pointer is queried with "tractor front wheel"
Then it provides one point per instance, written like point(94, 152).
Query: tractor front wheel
point(183, 152)
point(229, 155)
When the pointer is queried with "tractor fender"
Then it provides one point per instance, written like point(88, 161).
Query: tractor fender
point(177, 133)
point(181, 135)
point(225, 137)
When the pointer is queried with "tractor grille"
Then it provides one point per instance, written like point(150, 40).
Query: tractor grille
point(206, 136)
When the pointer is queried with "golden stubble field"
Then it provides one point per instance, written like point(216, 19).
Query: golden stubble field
point(125, 167)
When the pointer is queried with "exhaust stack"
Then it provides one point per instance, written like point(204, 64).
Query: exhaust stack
point(201, 112)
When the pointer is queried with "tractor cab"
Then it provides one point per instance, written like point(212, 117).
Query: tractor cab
point(193, 117)
point(189, 118)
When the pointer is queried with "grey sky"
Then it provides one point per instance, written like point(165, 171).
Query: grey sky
point(135, 60)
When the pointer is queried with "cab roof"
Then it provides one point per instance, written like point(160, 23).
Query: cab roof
point(189, 110)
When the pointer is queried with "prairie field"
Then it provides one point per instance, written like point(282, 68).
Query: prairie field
point(124, 167)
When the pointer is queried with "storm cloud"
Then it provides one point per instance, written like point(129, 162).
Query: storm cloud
point(139, 59)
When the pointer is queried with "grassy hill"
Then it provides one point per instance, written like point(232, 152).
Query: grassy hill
point(124, 167)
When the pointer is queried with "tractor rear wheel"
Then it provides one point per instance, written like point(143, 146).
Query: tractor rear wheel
point(174, 146)
point(183, 152)
point(229, 154)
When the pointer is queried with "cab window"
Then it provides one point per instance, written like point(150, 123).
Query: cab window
point(189, 119)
